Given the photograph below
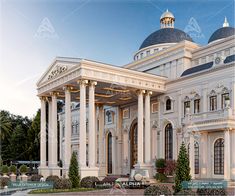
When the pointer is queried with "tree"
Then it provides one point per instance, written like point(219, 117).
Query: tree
point(5, 125)
point(182, 168)
point(73, 171)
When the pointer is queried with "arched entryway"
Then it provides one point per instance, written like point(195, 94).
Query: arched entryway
point(109, 153)
point(133, 144)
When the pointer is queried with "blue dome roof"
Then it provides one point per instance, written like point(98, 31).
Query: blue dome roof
point(222, 33)
point(165, 35)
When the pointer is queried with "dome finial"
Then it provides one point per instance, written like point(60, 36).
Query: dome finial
point(167, 20)
point(226, 24)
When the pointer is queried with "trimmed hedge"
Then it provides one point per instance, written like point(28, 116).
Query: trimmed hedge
point(4, 181)
point(160, 177)
point(52, 178)
point(157, 190)
point(186, 192)
point(110, 179)
point(23, 169)
point(36, 177)
point(211, 192)
point(4, 169)
point(89, 182)
point(13, 169)
point(63, 184)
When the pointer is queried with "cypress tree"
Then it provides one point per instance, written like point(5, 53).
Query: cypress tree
point(73, 171)
point(182, 168)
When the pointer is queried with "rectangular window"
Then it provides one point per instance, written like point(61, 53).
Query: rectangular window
point(186, 105)
point(223, 98)
point(196, 106)
point(148, 52)
point(213, 103)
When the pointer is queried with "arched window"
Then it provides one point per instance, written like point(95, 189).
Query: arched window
point(109, 152)
point(219, 157)
point(168, 141)
point(196, 156)
point(168, 104)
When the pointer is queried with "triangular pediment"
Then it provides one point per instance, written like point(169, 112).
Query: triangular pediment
point(59, 66)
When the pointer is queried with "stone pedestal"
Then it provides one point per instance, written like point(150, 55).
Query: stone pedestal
point(148, 167)
point(44, 171)
point(24, 178)
point(13, 177)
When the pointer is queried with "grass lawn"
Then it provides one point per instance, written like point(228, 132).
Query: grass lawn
point(39, 191)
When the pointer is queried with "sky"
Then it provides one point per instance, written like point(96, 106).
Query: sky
point(110, 31)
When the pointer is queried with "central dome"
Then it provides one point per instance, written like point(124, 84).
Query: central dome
point(165, 35)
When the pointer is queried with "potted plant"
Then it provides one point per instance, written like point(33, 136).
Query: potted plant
point(23, 170)
point(13, 172)
point(227, 102)
point(160, 165)
point(5, 170)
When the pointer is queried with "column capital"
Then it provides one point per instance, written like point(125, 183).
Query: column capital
point(82, 82)
point(54, 93)
point(148, 93)
point(140, 91)
point(68, 88)
point(43, 98)
point(92, 83)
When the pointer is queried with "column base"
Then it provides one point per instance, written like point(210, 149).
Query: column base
point(44, 171)
point(102, 170)
point(54, 171)
point(89, 171)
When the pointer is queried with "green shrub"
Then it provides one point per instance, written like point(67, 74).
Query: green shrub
point(211, 192)
point(160, 163)
point(5, 169)
point(160, 177)
point(63, 184)
point(110, 179)
point(89, 182)
point(23, 169)
point(4, 181)
point(73, 171)
point(13, 169)
point(52, 178)
point(36, 177)
point(170, 167)
point(157, 190)
point(186, 192)
point(182, 168)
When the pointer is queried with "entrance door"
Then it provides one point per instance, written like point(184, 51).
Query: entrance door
point(133, 145)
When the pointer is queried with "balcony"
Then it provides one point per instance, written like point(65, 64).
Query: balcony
point(218, 119)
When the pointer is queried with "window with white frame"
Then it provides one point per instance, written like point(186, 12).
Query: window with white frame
point(196, 106)
point(186, 106)
point(213, 103)
point(224, 97)
point(109, 117)
point(168, 104)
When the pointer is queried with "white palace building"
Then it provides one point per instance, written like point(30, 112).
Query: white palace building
point(120, 118)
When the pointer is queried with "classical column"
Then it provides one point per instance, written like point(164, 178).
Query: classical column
point(54, 129)
point(204, 157)
point(68, 126)
point(204, 99)
point(227, 154)
point(101, 142)
point(91, 121)
point(140, 127)
point(147, 128)
point(114, 160)
point(50, 137)
point(191, 155)
point(43, 133)
point(82, 119)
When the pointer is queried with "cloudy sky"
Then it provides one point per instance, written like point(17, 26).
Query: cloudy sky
point(34, 32)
